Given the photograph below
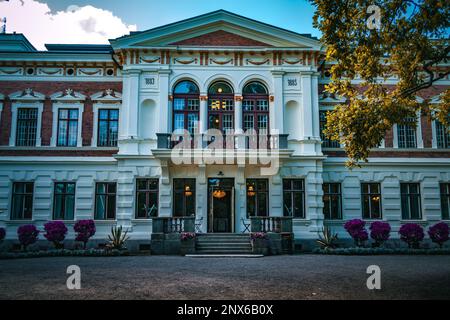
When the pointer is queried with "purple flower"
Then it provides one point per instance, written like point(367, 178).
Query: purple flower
point(258, 235)
point(380, 232)
point(187, 236)
point(2, 234)
point(357, 230)
point(55, 232)
point(412, 234)
point(85, 229)
point(28, 234)
point(439, 233)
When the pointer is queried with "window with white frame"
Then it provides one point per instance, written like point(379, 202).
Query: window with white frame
point(106, 118)
point(407, 133)
point(26, 128)
point(67, 128)
point(442, 135)
point(26, 124)
point(326, 142)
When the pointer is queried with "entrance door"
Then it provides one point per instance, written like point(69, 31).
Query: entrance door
point(221, 205)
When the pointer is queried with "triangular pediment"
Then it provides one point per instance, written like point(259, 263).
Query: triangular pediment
point(217, 29)
point(221, 38)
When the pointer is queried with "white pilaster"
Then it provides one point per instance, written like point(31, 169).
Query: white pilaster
point(307, 105)
point(276, 106)
point(238, 113)
point(203, 113)
point(128, 126)
point(164, 101)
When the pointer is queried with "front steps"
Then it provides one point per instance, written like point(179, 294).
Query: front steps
point(223, 244)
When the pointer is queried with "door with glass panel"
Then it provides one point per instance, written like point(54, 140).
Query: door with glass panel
point(255, 114)
point(221, 107)
point(186, 105)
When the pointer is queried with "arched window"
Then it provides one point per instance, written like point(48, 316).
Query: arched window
point(186, 105)
point(255, 107)
point(221, 106)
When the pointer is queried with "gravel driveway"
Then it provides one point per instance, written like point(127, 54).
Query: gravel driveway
point(277, 277)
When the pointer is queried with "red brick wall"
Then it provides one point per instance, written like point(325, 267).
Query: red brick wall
point(48, 88)
point(221, 38)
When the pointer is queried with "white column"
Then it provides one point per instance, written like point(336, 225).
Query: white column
point(164, 101)
point(315, 105)
point(238, 113)
point(307, 105)
point(276, 106)
point(129, 115)
point(203, 126)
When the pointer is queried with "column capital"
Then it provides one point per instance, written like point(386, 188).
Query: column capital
point(165, 72)
point(132, 72)
point(278, 73)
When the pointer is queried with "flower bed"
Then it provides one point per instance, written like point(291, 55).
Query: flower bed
point(64, 253)
point(382, 251)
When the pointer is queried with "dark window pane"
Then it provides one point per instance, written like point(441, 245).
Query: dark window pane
point(287, 199)
point(100, 209)
point(298, 205)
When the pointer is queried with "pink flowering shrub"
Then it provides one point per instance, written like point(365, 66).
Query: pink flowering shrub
point(28, 234)
point(357, 230)
point(187, 236)
point(380, 232)
point(439, 233)
point(258, 235)
point(2, 234)
point(412, 234)
point(55, 232)
point(85, 229)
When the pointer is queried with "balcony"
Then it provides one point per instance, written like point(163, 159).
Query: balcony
point(169, 141)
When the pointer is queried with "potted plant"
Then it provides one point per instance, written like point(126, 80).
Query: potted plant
point(85, 229)
point(439, 233)
point(28, 234)
point(55, 232)
point(357, 230)
point(412, 234)
point(187, 242)
point(259, 242)
point(117, 239)
point(327, 240)
point(380, 232)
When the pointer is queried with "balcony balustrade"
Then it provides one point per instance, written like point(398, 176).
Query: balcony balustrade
point(226, 141)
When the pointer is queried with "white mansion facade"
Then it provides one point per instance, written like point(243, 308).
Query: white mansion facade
point(85, 133)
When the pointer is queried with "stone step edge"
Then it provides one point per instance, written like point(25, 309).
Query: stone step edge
point(224, 255)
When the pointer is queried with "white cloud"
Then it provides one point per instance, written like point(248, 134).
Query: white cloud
point(87, 24)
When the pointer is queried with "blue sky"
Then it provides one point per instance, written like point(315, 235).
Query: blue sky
point(295, 15)
point(96, 21)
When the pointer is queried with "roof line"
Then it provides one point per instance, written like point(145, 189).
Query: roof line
point(136, 33)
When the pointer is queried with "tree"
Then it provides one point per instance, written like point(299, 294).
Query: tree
point(410, 43)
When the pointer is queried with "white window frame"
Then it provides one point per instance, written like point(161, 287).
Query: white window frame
point(67, 99)
point(14, 111)
point(419, 138)
point(96, 107)
point(63, 105)
point(107, 99)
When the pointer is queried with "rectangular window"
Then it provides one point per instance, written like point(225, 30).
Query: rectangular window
point(22, 201)
point(445, 201)
point(108, 127)
point(332, 200)
point(26, 127)
point(147, 191)
point(326, 143)
point(442, 135)
point(105, 201)
point(64, 201)
point(257, 197)
point(67, 127)
point(410, 195)
point(183, 197)
point(406, 134)
point(371, 200)
point(294, 198)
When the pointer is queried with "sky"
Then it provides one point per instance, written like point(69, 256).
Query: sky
point(96, 21)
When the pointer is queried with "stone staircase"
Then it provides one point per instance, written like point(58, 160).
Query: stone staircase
point(223, 244)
